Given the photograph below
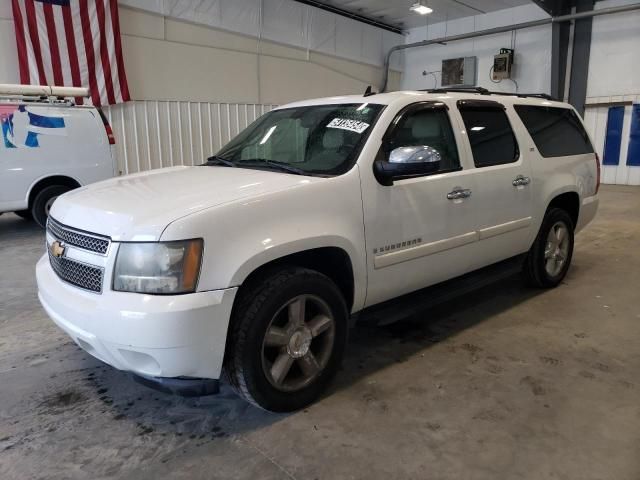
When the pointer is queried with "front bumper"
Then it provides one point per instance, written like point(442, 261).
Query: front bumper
point(149, 335)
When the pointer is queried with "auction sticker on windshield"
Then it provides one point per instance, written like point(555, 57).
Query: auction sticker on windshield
point(346, 124)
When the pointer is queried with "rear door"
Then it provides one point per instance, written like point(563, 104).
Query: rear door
point(503, 195)
point(12, 183)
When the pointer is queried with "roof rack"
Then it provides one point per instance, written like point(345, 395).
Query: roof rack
point(42, 93)
point(484, 91)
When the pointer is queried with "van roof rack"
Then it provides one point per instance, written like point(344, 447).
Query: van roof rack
point(42, 93)
point(484, 91)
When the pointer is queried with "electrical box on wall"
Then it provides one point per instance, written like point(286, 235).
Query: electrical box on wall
point(459, 72)
point(502, 64)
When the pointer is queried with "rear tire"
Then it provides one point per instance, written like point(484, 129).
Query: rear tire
point(550, 255)
point(286, 340)
point(24, 214)
point(43, 202)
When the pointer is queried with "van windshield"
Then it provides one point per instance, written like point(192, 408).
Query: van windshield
point(317, 139)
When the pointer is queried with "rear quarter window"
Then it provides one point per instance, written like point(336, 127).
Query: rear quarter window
point(557, 132)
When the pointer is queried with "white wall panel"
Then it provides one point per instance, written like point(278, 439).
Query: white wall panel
point(348, 37)
point(322, 32)
point(532, 67)
point(595, 120)
point(8, 52)
point(283, 21)
point(156, 134)
point(614, 66)
point(371, 50)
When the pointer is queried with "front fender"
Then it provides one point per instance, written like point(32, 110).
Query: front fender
point(282, 250)
point(244, 235)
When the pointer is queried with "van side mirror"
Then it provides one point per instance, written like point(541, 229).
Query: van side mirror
point(405, 162)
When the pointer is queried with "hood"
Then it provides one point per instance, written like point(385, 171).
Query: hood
point(139, 207)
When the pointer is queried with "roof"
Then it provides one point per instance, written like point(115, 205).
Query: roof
point(410, 96)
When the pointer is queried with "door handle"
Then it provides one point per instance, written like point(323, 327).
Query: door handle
point(459, 193)
point(521, 180)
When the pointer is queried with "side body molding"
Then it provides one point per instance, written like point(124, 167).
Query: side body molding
point(411, 253)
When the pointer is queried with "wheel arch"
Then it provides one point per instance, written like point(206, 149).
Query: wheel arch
point(49, 181)
point(332, 261)
point(568, 201)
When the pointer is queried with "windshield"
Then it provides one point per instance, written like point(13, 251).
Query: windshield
point(318, 139)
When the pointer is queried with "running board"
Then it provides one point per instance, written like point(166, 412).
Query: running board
point(405, 306)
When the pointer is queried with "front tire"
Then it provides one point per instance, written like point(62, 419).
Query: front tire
point(550, 256)
point(43, 202)
point(287, 337)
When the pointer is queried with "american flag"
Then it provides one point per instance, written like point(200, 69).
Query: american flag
point(72, 43)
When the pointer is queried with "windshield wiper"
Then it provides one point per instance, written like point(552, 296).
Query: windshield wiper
point(273, 163)
point(220, 160)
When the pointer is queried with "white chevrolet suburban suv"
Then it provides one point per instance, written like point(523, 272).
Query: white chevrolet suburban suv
point(255, 261)
point(48, 146)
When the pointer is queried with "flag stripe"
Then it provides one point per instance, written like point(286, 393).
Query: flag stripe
point(35, 40)
point(71, 47)
point(95, 35)
point(45, 49)
point(23, 58)
point(115, 21)
point(53, 44)
point(72, 43)
point(79, 38)
point(72, 50)
point(104, 53)
point(33, 67)
point(63, 49)
point(112, 53)
point(90, 54)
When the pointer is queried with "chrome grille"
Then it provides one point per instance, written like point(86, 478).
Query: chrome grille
point(77, 273)
point(86, 241)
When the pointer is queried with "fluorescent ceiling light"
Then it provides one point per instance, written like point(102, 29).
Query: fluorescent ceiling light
point(420, 9)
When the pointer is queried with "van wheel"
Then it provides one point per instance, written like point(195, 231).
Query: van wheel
point(549, 259)
point(286, 339)
point(43, 202)
point(25, 214)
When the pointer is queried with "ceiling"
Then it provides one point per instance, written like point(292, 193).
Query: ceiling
point(396, 12)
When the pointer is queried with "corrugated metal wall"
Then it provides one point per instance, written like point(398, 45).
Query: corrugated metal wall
point(596, 122)
point(156, 134)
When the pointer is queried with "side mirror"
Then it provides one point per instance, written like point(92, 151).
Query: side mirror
point(406, 162)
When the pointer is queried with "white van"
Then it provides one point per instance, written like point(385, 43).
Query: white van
point(48, 146)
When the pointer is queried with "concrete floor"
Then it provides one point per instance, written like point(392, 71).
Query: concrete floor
point(508, 383)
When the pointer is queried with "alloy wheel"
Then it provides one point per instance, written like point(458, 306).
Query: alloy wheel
point(298, 343)
point(556, 249)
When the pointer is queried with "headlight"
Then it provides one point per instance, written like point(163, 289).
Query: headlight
point(161, 267)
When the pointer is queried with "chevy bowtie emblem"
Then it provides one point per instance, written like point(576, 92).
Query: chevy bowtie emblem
point(56, 249)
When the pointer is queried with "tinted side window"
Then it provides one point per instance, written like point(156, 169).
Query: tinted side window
point(492, 139)
point(557, 132)
point(430, 127)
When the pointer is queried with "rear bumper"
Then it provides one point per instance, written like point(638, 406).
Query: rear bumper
point(588, 210)
point(149, 335)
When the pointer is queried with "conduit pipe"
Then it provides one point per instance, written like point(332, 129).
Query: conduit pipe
point(509, 28)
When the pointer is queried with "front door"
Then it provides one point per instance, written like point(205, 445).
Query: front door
point(420, 231)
